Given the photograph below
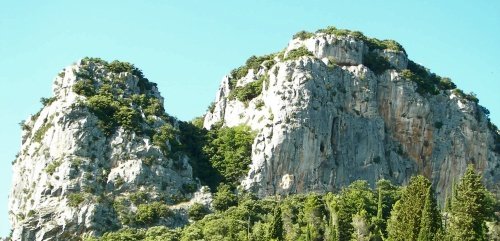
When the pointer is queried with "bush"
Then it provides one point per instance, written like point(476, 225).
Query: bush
point(47, 101)
point(51, 168)
point(104, 107)
point(229, 151)
point(151, 213)
point(84, 87)
point(119, 67)
point(372, 43)
point(138, 197)
point(253, 62)
point(197, 211)
point(224, 198)
point(302, 35)
point(297, 53)
point(376, 63)
point(40, 133)
point(166, 133)
point(249, 91)
point(128, 118)
point(75, 199)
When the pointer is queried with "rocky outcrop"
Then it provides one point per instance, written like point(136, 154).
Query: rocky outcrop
point(94, 146)
point(326, 119)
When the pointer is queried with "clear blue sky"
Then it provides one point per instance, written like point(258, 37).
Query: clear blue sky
point(187, 47)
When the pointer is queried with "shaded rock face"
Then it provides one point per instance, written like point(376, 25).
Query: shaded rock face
point(327, 120)
point(70, 172)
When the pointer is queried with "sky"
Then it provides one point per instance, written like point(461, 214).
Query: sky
point(188, 46)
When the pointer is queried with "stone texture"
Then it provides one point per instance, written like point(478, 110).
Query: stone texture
point(322, 126)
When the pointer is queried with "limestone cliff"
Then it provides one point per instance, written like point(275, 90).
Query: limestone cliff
point(99, 151)
point(336, 106)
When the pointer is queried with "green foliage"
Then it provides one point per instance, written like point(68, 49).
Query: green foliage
point(470, 208)
point(224, 198)
point(303, 35)
point(430, 223)
point(378, 64)
point(75, 199)
point(47, 101)
point(105, 108)
point(51, 168)
point(150, 213)
point(197, 211)
point(40, 133)
point(139, 197)
point(427, 82)
point(372, 43)
point(276, 225)
point(193, 138)
point(229, 151)
point(128, 117)
point(249, 91)
point(254, 62)
point(119, 67)
point(297, 53)
point(438, 124)
point(85, 87)
point(406, 216)
point(470, 97)
point(164, 137)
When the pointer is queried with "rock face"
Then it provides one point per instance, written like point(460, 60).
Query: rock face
point(325, 120)
point(79, 166)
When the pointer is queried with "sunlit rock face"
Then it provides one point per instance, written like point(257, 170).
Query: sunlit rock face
point(326, 120)
point(70, 173)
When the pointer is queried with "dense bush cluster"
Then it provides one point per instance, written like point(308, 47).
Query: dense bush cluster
point(110, 101)
point(376, 63)
point(357, 212)
point(427, 82)
point(303, 35)
point(254, 62)
point(249, 91)
point(229, 151)
point(297, 53)
point(372, 43)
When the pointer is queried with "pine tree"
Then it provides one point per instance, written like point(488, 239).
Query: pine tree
point(276, 226)
point(469, 208)
point(405, 220)
point(430, 222)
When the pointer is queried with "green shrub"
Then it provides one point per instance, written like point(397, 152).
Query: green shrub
point(119, 67)
point(249, 91)
point(85, 87)
point(51, 168)
point(75, 199)
point(150, 213)
point(104, 107)
point(224, 198)
point(297, 53)
point(438, 124)
point(128, 118)
point(40, 133)
point(302, 35)
point(253, 62)
point(471, 97)
point(372, 43)
point(138, 197)
point(229, 151)
point(47, 101)
point(166, 133)
point(376, 63)
point(197, 211)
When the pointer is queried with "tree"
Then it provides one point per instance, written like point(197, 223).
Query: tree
point(470, 208)
point(430, 223)
point(224, 198)
point(276, 227)
point(406, 215)
point(229, 150)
